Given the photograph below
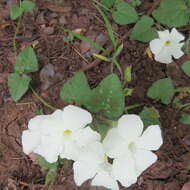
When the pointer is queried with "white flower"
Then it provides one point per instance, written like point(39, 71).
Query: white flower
point(167, 46)
point(130, 149)
point(62, 134)
point(92, 163)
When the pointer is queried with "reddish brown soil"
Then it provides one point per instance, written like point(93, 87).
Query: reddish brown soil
point(17, 171)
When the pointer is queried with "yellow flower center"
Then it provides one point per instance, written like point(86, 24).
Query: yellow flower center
point(67, 132)
point(105, 158)
point(131, 146)
point(168, 42)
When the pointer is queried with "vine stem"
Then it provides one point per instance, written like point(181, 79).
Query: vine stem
point(16, 32)
point(132, 107)
point(185, 106)
point(101, 5)
point(42, 100)
point(183, 89)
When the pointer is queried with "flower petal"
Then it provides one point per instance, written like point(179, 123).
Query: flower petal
point(35, 123)
point(114, 144)
point(93, 153)
point(124, 170)
point(30, 140)
point(105, 180)
point(151, 139)
point(50, 147)
point(156, 46)
point(176, 36)
point(143, 160)
point(177, 52)
point(164, 56)
point(75, 117)
point(53, 123)
point(130, 127)
point(70, 150)
point(164, 35)
point(85, 136)
point(83, 171)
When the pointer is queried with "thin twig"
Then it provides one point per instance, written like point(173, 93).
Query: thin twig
point(30, 185)
point(97, 61)
point(42, 100)
point(15, 34)
point(155, 4)
point(109, 50)
point(80, 55)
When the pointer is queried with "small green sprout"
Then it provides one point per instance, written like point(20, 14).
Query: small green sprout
point(17, 11)
point(26, 62)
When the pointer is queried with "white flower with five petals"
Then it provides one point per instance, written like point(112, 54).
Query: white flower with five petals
point(167, 46)
point(92, 163)
point(131, 149)
point(62, 134)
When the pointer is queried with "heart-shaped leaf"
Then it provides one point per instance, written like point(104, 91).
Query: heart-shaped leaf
point(186, 68)
point(18, 85)
point(26, 61)
point(185, 118)
point(150, 116)
point(125, 13)
point(27, 5)
point(162, 89)
point(108, 97)
point(76, 90)
point(173, 13)
point(143, 30)
point(15, 12)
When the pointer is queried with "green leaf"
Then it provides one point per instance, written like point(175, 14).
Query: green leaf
point(186, 68)
point(50, 178)
point(83, 38)
point(108, 27)
point(136, 3)
point(15, 12)
point(118, 51)
point(101, 57)
point(125, 13)
point(108, 97)
point(185, 118)
point(76, 90)
point(128, 108)
point(116, 63)
point(68, 38)
point(162, 89)
point(27, 5)
point(128, 91)
point(46, 165)
point(102, 99)
point(26, 61)
point(173, 13)
point(127, 74)
point(150, 116)
point(52, 170)
point(39, 112)
point(186, 47)
point(143, 30)
point(103, 130)
point(102, 125)
point(18, 85)
point(114, 58)
point(108, 3)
